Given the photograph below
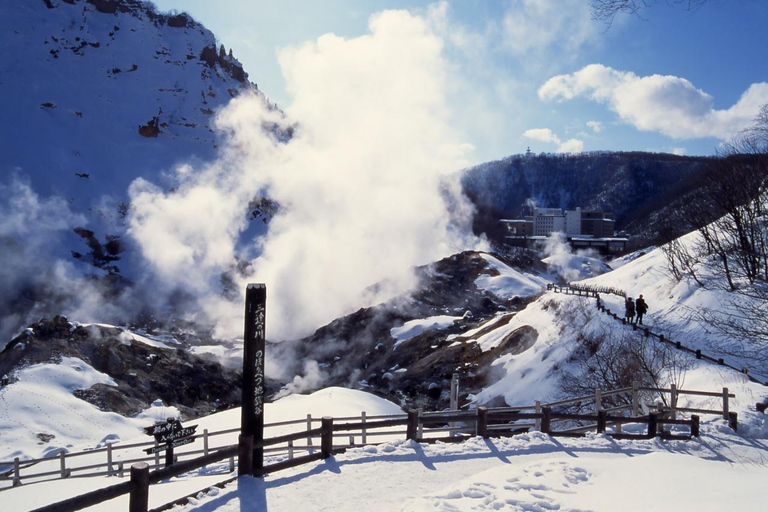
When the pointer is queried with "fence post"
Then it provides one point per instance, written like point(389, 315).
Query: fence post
point(365, 431)
point(546, 420)
point(673, 401)
point(326, 437)
point(139, 498)
point(454, 398)
point(537, 410)
point(698, 353)
point(309, 427)
point(598, 400)
point(733, 421)
point(694, 425)
point(244, 455)
point(635, 399)
point(205, 441)
point(482, 422)
point(602, 420)
point(725, 403)
point(109, 459)
point(290, 449)
point(63, 457)
point(16, 472)
point(413, 424)
point(652, 424)
point(157, 454)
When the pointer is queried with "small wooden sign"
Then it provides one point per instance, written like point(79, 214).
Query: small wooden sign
point(172, 433)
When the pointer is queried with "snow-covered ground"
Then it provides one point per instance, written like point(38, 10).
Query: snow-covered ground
point(720, 470)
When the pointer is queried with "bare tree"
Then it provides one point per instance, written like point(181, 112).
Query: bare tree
point(612, 360)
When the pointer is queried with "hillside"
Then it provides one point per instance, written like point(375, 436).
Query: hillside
point(99, 94)
point(640, 189)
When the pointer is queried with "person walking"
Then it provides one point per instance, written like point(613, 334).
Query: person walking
point(641, 307)
point(629, 309)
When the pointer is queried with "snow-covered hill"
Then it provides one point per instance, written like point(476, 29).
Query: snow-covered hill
point(99, 94)
point(81, 78)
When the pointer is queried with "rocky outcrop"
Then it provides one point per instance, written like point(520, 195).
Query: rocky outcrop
point(358, 350)
point(196, 385)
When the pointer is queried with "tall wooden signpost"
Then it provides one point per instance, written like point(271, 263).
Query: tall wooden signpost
point(252, 417)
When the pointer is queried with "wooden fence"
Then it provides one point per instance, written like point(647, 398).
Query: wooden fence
point(334, 435)
point(595, 291)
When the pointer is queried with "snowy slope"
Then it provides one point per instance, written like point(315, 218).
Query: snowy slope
point(80, 82)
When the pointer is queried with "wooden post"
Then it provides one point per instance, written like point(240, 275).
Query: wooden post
point(252, 413)
point(694, 425)
point(546, 420)
point(482, 422)
point(309, 427)
point(537, 410)
point(413, 424)
point(169, 456)
point(602, 420)
point(205, 441)
point(733, 421)
point(454, 398)
point(326, 437)
point(109, 459)
point(63, 457)
point(16, 472)
point(598, 400)
point(698, 353)
point(244, 455)
point(290, 449)
point(232, 464)
point(673, 401)
point(157, 454)
point(725, 403)
point(120, 469)
point(420, 430)
point(365, 431)
point(139, 498)
point(652, 424)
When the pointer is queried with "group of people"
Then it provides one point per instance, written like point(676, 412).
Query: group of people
point(635, 309)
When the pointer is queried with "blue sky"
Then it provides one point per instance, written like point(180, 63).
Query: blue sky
point(540, 73)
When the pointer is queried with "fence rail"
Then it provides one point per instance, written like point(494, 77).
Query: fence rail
point(595, 291)
point(420, 426)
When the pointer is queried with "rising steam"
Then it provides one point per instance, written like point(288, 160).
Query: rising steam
point(366, 186)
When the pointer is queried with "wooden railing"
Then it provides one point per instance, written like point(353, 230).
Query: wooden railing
point(323, 441)
point(595, 291)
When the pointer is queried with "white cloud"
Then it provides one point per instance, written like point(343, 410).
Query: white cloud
point(542, 135)
point(365, 186)
point(538, 25)
point(548, 136)
point(664, 104)
point(596, 126)
point(679, 151)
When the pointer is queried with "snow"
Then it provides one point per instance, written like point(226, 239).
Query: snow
point(413, 328)
point(508, 282)
point(720, 470)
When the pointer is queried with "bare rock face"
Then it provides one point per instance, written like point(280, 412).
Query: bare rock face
point(143, 373)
